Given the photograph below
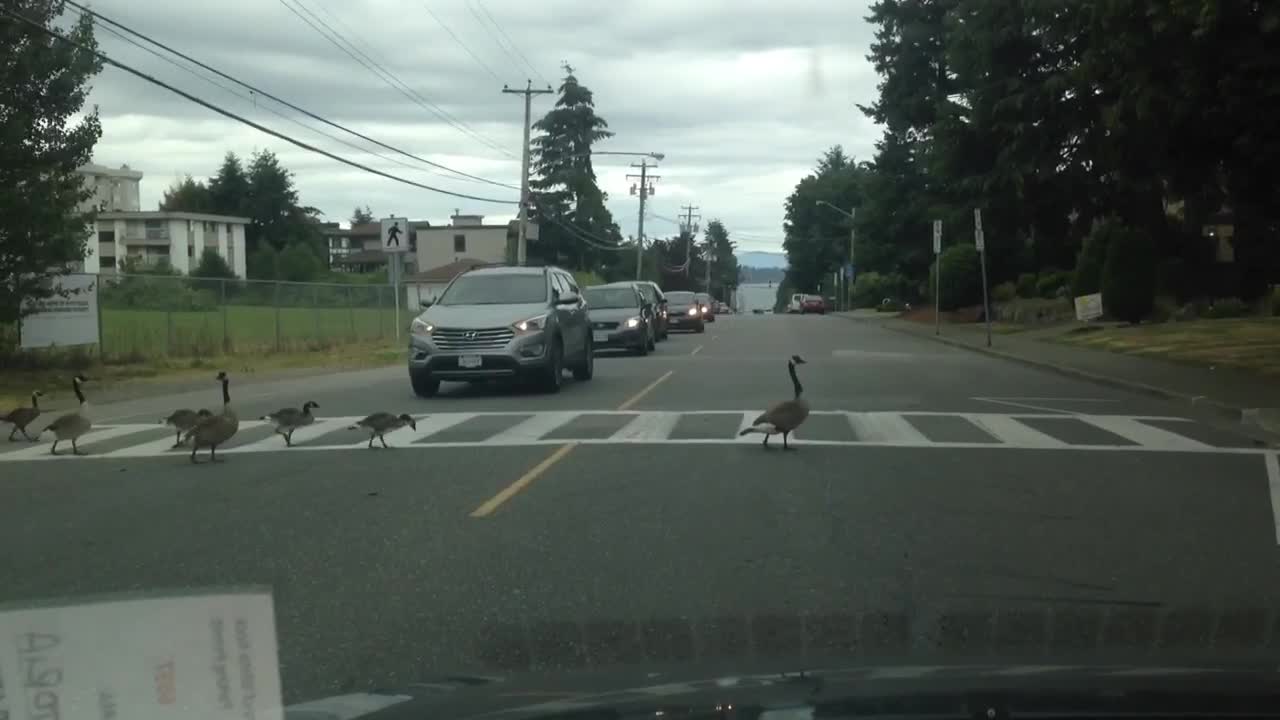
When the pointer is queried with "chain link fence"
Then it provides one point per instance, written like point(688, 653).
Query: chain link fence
point(149, 315)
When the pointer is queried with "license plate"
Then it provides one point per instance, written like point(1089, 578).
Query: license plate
point(469, 361)
point(600, 336)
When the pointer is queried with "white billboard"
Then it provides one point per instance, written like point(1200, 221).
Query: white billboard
point(59, 321)
point(1089, 307)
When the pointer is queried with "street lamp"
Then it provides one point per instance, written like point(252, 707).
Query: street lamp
point(852, 232)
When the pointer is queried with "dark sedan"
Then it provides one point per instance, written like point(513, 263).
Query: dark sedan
point(684, 312)
point(617, 317)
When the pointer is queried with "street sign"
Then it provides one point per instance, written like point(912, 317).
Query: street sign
point(395, 235)
point(978, 240)
point(848, 271)
point(977, 220)
point(61, 321)
point(937, 236)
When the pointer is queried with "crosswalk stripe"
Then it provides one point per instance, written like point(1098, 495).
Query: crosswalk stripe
point(41, 451)
point(748, 420)
point(533, 428)
point(1141, 433)
point(1010, 431)
point(885, 427)
point(274, 441)
point(647, 426)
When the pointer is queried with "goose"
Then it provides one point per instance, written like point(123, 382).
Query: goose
point(23, 416)
point(787, 415)
point(183, 420)
point(73, 425)
point(290, 419)
point(381, 423)
point(215, 430)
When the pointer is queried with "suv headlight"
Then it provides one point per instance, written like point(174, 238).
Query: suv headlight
point(693, 310)
point(633, 322)
point(533, 324)
point(421, 327)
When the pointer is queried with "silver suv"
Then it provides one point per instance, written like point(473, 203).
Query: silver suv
point(502, 322)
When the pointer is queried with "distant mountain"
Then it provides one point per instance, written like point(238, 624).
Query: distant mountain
point(762, 259)
point(760, 275)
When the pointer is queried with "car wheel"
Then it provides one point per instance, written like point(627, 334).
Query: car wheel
point(653, 340)
point(587, 368)
point(423, 384)
point(553, 373)
point(643, 348)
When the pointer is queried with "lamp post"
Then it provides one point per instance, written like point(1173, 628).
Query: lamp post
point(852, 234)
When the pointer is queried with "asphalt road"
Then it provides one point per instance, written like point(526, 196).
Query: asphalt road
point(941, 504)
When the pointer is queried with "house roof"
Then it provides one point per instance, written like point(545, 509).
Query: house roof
point(445, 273)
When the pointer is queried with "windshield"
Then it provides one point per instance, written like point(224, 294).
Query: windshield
point(680, 298)
point(496, 290)
point(599, 297)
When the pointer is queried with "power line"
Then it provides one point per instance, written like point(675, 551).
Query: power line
point(512, 43)
point(391, 79)
point(227, 113)
point(458, 40)
point(496, 41)
point(286, 103)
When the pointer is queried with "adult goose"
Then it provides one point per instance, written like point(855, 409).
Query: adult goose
point(787, 415)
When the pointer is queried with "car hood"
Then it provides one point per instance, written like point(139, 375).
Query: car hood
point(833, 692)
point(678, 307)
point(612, 314)
point(480, 316)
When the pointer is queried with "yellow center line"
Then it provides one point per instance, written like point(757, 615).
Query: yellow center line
point(492, 504)
point(695, 350)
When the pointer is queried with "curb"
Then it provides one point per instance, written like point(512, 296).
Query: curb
point(1221, 412)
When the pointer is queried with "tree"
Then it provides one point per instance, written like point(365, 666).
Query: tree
point(297, 263)
point(229, 188)
point(213, 265)
point(817, 237)
point(724, 264)
point(361, 216)
point(1129, 275)
point(188, 195)
point(565, 183)
point(43, 86)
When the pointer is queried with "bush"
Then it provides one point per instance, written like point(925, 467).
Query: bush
point(1227, 308)
point(1004, 292)
point(1275, 301)
point(1027, 285)
point(213, 265)
point(961, 277)
point(871, 288)
point(1129, 274)
point(1051, 282)
point(1092, 258)
point(1172, 278)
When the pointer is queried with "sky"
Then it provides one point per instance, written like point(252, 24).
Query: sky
point(741, 96)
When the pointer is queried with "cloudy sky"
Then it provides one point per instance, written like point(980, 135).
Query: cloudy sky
point(741, 96)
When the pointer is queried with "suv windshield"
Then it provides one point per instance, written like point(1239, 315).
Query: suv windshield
point(680, 298)
point(496, 290)
point(611, 297)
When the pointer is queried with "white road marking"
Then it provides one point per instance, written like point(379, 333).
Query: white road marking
point(885, 428)
point(533, 428)
point(1010, 431)
point(867, 429)
point(1140, 433)
point(41, 451)
point(1272, 461)
point(648, 426)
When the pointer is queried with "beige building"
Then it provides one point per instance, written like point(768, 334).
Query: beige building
point(467, 237)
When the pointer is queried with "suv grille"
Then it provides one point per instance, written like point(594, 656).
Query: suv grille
point(472, 339)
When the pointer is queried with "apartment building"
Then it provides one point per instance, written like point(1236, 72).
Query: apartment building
point(467, 237)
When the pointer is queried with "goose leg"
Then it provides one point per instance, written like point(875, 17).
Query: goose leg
point(54, 450)
point(785, 446)
point(14, 431)
point(212, 456)
point(194, 448)
point(75, 450)
point(765, 443)
point(288, 439)
point(177, 441)
point(384, 442)
point(371, 437)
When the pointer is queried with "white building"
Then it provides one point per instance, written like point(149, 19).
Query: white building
point(467, 237)
point(121, 229)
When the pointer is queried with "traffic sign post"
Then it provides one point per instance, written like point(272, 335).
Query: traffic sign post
point(982, 258)
point(395, 242)
point(937, 277)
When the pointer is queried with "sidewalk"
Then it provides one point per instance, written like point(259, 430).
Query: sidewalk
point(1232, 394)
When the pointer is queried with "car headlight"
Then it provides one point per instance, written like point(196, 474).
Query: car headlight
point(421, 327)
point(693, 310)
point(664, 312)
point(533, 324)
point(705, 308)
point(633, 322)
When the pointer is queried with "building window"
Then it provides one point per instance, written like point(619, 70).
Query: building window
point(191, 252)
point(107, 261)
point(107, 236)
point(459, 243)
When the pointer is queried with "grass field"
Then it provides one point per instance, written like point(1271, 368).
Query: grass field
point(1245, 343)
point(241, 329)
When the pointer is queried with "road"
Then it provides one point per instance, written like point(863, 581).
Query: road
point(941, 504)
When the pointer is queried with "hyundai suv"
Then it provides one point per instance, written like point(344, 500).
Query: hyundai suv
point(502, 322)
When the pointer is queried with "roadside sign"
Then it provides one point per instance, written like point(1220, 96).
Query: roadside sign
point(848, 271)
point(978, 240)
point(937, 236)
point(1089, 307)
point(395, 235)
point(977, 220)
point(63, 321)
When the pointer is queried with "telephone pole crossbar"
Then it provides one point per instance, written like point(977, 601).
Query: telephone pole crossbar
point(688, 228)
point(644, 191)
point(521, 241)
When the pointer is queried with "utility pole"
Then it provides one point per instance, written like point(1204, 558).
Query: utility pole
point(689, 230)
point(528, 92)
point(645, 191)
point(707, 287)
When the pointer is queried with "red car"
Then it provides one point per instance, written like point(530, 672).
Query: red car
point(813, 304)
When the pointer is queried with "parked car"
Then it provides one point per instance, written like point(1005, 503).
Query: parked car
point(654, 295)
point(619, 317)
point(708, 306)
point(502, 322)
point(683, 312)
point(813, 304)
point(796, 304)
